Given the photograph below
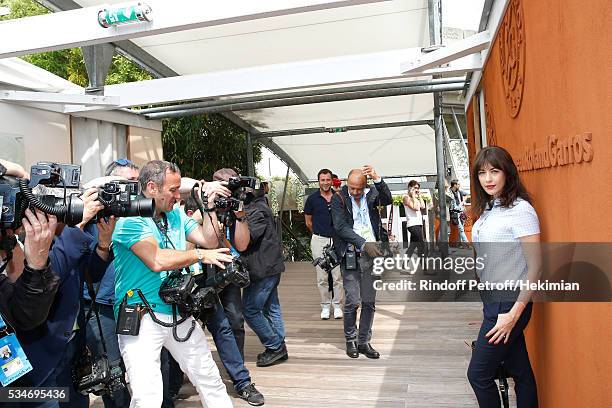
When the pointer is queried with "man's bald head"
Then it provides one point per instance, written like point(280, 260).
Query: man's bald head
point(356, 182)
point(357, 176)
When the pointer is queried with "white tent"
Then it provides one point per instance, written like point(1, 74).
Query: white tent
point(220, 53)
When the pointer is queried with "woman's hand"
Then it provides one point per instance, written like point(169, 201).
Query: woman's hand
point(503, 327)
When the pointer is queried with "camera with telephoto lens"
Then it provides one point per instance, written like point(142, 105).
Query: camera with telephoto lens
point(123, 199)
point(99, 377)
point(16, 194)
point(241, 188)
point(328, 260)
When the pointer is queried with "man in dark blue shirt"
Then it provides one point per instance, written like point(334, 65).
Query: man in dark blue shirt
point(317, 212)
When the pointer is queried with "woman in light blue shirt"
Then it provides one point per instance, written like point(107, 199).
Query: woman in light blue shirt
point(507, 234)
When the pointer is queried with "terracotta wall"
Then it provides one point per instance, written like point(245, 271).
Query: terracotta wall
point(565, 69)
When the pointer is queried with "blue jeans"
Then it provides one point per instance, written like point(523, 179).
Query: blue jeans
point(461, 229)
point(221, 330)
point(262, 311)
point(231, 299)
point(120, 399)
point(61, 376)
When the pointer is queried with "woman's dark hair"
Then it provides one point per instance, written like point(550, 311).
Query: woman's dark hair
point(413, 183)
point(499, 158)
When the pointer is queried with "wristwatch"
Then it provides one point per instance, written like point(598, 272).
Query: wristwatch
point(199, 255)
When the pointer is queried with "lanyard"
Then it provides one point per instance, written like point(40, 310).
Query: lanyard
point(2, 326)
point(232, 249)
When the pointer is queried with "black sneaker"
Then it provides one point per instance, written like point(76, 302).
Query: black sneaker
point(269, 356)
point(251, 395)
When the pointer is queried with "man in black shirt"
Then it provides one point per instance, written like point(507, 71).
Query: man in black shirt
point(317, 213)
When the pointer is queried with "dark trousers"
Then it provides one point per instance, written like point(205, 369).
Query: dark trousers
point(227, 347)
point(416, 241)
point(231, 299)
point(359, 291)
point(121, 398)
point(486, 359)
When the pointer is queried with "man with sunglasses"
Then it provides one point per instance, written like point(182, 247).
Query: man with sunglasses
point(105, 297)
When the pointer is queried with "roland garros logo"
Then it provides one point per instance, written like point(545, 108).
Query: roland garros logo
point(557, 152)
point(512, 56)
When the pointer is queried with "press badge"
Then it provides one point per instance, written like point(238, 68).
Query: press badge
point(13, 361)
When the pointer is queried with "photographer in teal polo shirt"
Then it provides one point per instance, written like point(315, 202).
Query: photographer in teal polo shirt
point(146, 250)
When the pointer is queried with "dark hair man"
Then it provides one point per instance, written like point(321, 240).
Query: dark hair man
point(317, 213)
point(265, 262)
point(357, 225)
point(218, 322)
point(145, 250)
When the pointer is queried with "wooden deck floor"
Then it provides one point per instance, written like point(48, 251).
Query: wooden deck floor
point(423, 355)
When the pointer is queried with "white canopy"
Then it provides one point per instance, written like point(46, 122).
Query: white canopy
point(222, 51)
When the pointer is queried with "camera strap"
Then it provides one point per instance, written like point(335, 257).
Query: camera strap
point(94, 309)
point(163, 229)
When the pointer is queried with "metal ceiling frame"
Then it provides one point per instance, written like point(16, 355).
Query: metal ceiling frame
point(160, 70)
point(167, 17)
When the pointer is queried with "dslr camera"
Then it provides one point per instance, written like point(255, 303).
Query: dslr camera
point(241, 188)
point(328, 260)
point(16, 194)
point(123, 199)
point(100, 377)
point(195, 293)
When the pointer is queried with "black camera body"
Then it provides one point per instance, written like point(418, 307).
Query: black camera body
point(55, 175)
point(235, 272)
point(12, 203)
point(195, 294)
point(16, 194)
point(328, 260)
point(176, 288)
point(99, 378)
point(240, 187)
point(123, 199)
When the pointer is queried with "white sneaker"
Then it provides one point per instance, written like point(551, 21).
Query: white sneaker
point(338, 312)
point(325, 312)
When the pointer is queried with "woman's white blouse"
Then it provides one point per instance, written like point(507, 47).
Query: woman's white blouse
point(496, 238)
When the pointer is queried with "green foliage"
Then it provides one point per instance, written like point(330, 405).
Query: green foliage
point(295, 192)
point(199, 144)
point(69, 64)
point(202, 144)
point(398, 200)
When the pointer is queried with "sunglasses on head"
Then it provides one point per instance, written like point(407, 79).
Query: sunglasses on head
point(123, 162)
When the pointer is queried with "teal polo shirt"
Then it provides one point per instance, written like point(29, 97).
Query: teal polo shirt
point(130, 271)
